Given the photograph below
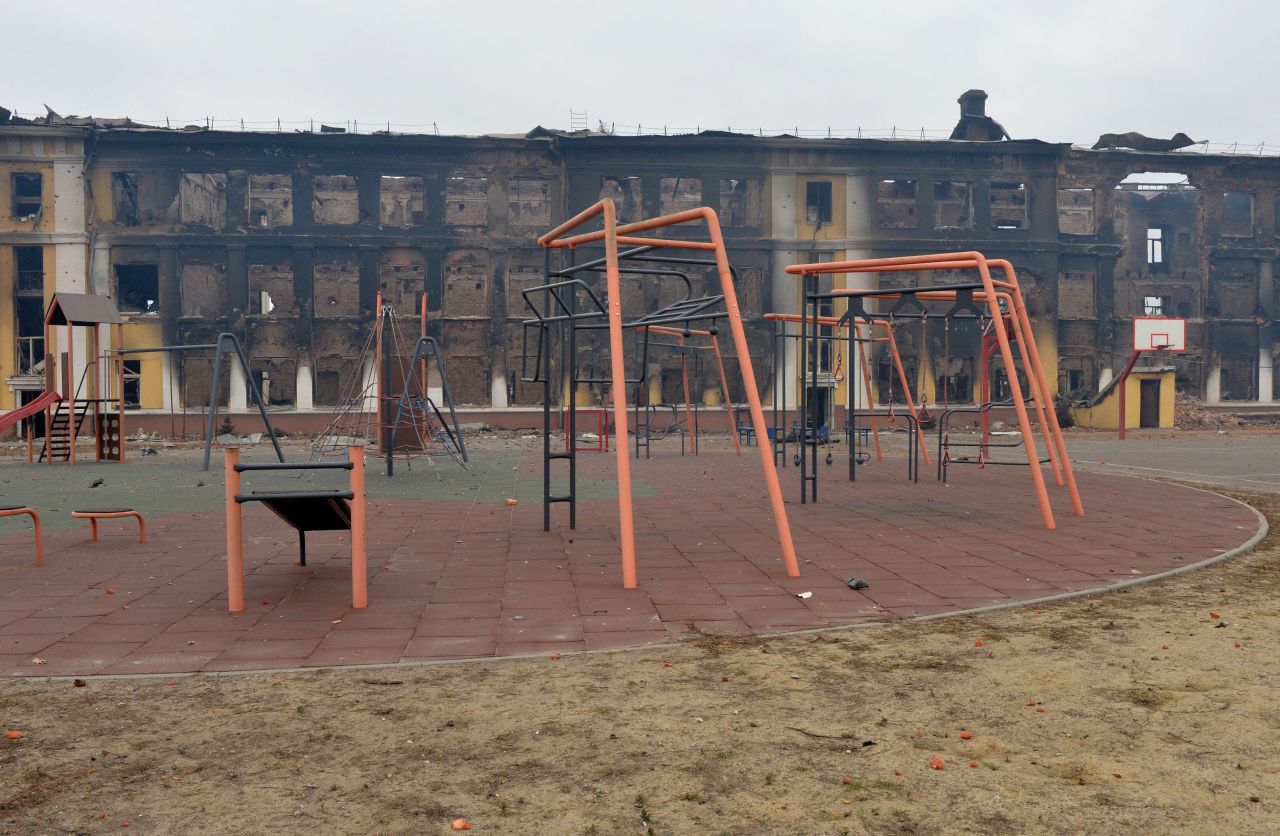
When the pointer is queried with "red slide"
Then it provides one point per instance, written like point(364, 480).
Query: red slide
point(15, 415)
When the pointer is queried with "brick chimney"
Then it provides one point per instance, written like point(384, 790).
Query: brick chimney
point(973, 103)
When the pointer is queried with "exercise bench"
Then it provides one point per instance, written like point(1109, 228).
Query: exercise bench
point(15, 510)
point(325, 510)
point(93, 515)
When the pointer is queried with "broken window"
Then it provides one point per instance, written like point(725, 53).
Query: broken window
point(466, 200)
point(138, 288)
point(27, 188)
point(896, 204)
point(1155, 305)
point(678, 194)
point(1237, 214)
point(1076, 298)
point(204, 289)
point(203, 199)
point(277, 379)
point(1009, 206)
point(1076, 212)
point(1157, 249)
point(952, 204)
point(401, 201)
point(1075, 376)
point(954, 379)
point(271, 290)
point(29, 264)
point(335, 200)
point(124, 197)
point(529, 202)
point(334, 376)
point(270, 200)
point(132, 379)
point(740, 202)
point(817, 202)
point(627, 194)
point(466, 284)
point(337, 283)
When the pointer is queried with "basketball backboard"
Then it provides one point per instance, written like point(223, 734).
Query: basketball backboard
point(1158, 333)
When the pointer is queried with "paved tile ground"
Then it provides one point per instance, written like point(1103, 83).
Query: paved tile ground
point(463, 575)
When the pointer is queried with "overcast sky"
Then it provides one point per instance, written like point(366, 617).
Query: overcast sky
point(1060, 71)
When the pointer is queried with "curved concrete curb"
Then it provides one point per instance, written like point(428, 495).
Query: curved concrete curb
point(1249, 545)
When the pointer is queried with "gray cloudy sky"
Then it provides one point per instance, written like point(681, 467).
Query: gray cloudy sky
point(1064, 71)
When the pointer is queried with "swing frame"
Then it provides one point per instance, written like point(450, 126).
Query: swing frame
point(1003, 301)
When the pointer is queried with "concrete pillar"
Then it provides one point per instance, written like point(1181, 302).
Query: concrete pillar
point(1266, 360)
point(1213, 381)
point(498, 389)
point(238, 400)
point(305, 387)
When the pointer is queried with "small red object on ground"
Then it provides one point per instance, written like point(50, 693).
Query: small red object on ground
point(936, 763)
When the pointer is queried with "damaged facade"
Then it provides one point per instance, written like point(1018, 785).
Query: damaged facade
point(288, 239)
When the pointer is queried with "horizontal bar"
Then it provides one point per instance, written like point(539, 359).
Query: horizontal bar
point(205, 347)
point(273, 497)
point(241, 468)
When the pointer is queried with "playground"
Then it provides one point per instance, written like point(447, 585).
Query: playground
point(812, 631)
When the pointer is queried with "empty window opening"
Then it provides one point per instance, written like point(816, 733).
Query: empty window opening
point(271, 290)
point(124, 197)
point(627, 193)
point(1009, 206)
point(28, 188)
point(401, 201)
point(952, 204)
point(896, 204)
point(133, 384)
point(138, 288)
point(29, 264)
point(466, 200)
point(1157, 249)
point(528, 201)
point(1237, 214)
point(817, 202)
point(1155, 305)
point(740, 202)
point(678, 194)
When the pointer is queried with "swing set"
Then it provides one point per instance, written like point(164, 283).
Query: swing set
point(997, 304)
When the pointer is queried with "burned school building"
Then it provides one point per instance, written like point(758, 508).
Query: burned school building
point(287, 240)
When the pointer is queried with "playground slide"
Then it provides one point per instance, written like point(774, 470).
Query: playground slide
point(15, 415)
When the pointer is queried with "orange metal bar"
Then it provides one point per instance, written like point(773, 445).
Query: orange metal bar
point(1029, 443)
point(359, 567)
point(1020, 309)
point(35, 522)
point(235, 530)
point(618, 371)
point(666, 243)
point(120, 393)
point(728, 401)
point(31, 440)
point(380, 385)
point(71, 419)
point(94, 516)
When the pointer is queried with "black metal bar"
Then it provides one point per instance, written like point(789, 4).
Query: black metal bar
point(285, 495)
point(213, 401)
point(302, 547)
point(202, 347)
point(244, 468)
point(903, 291)
point(572, 433)
point(591, 265)
point(544, 353)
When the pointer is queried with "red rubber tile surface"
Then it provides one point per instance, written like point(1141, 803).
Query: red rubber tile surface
point(457, 580)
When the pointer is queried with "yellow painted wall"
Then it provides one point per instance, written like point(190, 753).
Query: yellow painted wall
point(1105, 414)
point(836, 228)
point(100, 183)
point(7, 222)
point(147, 335)
point(1046, 334)
point(8, 326)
